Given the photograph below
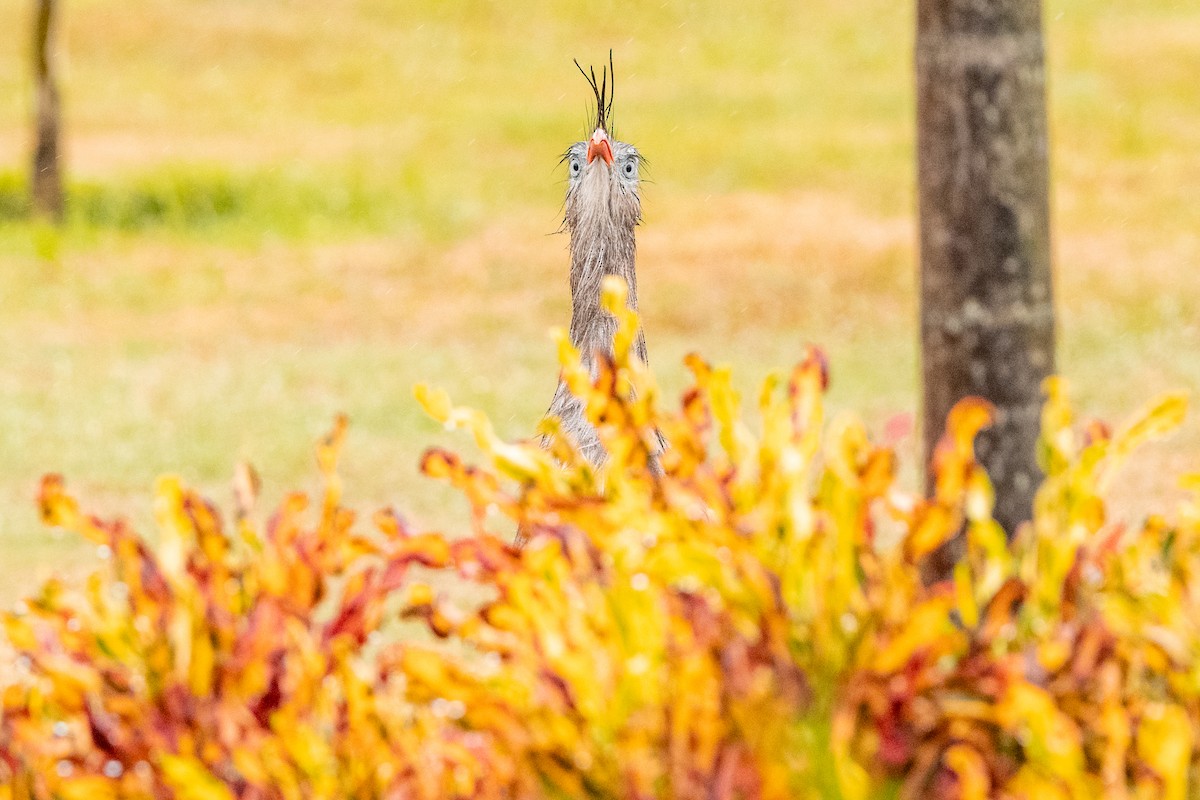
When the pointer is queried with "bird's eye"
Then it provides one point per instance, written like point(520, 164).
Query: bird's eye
point(575, 167)
point(629, 169)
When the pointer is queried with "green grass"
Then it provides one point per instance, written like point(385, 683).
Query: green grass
point(278, 212)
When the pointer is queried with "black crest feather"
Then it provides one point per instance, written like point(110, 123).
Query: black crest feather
point(604, 89)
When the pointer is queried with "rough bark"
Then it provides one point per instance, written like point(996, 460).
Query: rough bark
point(987, 318)
point(46, 179)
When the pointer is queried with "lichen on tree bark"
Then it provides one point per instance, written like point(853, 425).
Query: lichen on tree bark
point(987, 318)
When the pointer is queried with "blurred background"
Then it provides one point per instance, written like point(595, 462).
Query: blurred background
point(283, 209)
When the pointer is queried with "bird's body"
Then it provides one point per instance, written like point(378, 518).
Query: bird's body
point(603, 207)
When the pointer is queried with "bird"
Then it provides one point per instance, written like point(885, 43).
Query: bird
point(603, 207)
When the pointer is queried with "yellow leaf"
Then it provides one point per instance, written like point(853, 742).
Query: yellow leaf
point(1028, 784)
point(424, 666)
point(968, 417)
point(933, 527)
point(1164, 742)
point(200, 669)
point(928, 628)
point(20, 633)
point(176, 533)
point(418, 594)
point(968, 765)
point(435, 401)
point(248, 763)
point(191, 780)
point(1052, 740)
point(980, 496)
point(1165, 415)
point(90, 787)
point(614, 293)
point(331, 446)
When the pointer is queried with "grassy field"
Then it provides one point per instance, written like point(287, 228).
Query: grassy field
point(285, 209)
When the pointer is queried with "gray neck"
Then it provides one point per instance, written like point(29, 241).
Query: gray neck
point(599, 250)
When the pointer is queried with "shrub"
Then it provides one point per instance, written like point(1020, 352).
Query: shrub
point(14, 197)
point(211, 200)
point(751, 623)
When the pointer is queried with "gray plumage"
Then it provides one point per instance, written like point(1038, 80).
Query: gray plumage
point(602, 209)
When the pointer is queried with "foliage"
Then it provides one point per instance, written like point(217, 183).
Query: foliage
point(753, 622)
point(294, 202)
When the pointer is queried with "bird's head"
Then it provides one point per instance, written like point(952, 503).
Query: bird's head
point(602, 173)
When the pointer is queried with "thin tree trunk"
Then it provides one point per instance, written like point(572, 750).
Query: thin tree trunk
point(46, 180)
point(987, 317)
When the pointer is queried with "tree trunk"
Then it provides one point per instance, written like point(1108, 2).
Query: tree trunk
point(987, 317)
point(46, 180)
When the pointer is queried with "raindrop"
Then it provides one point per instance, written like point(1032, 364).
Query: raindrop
point(64, 768)
point(113, 768)
point(640, 582)
point(61, 729)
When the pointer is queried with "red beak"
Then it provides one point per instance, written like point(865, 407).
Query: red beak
point(599, 147)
